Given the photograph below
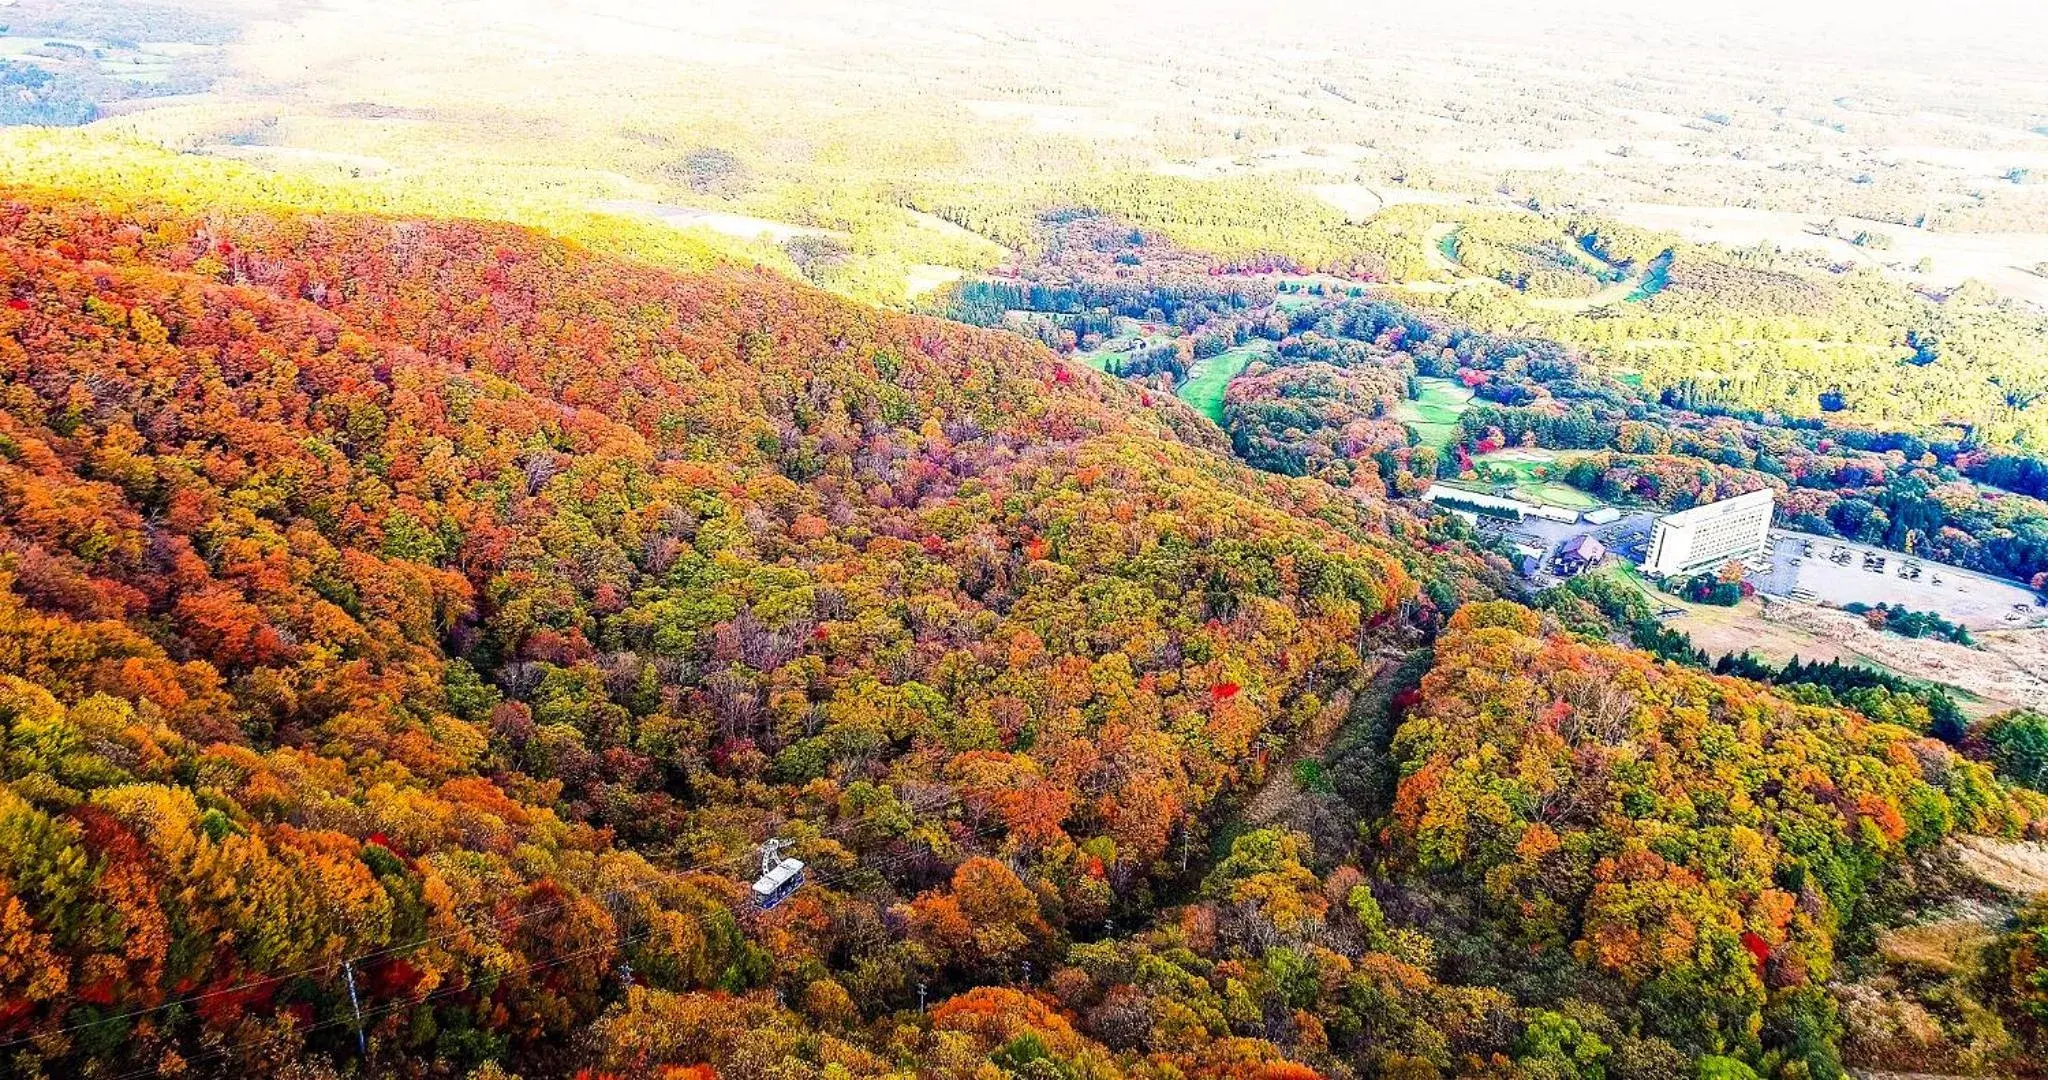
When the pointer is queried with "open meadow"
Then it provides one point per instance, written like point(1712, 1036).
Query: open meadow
point(1434, 410)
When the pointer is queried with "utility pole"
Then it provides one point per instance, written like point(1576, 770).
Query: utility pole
point(920, 997)
point(355, 1004)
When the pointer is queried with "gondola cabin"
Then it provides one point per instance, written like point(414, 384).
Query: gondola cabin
point(778, 883)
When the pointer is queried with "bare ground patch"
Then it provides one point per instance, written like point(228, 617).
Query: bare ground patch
point(2001, 260)
point(2009, 670)
point(2016, 866)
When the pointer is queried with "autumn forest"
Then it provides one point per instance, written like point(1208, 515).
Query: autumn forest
point(447, 530)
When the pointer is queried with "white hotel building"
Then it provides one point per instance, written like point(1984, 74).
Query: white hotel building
point(1711, 535)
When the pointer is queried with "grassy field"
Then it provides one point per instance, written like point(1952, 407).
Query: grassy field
point(1208, 378)
point(1129, 334)
point(1529, 472)
point(1541, 493)
point(1557, 494)
point(1433, 414)
point(1296, 301)
point(1446, 245)
point(1301, 291)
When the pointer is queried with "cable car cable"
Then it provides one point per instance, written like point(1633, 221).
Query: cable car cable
point(363, 1018)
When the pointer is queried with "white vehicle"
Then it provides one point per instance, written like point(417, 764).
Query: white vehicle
point(780, 878)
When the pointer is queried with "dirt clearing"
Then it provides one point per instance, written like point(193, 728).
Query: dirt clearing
point(2009, 670)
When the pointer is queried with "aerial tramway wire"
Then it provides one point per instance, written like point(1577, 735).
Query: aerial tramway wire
point(367, 1017)
point(405, 948)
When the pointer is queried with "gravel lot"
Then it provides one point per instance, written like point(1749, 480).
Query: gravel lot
point(1837, 572)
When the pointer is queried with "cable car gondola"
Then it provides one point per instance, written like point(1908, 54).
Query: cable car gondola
point(780, 878)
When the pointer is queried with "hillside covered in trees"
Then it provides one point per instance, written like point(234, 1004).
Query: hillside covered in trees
point(477, 480)
point(444, 599)
point(411, 627)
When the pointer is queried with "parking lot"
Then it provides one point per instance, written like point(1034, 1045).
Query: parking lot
point(1626, 538)
point(1819, 569)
